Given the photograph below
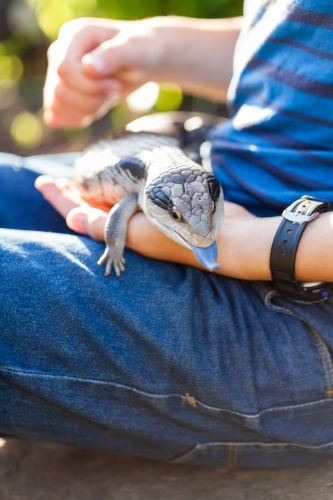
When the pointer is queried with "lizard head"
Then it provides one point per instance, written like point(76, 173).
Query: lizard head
point(186, 204)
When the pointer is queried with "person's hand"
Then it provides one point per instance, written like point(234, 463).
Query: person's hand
point(240, 237)
point(93, 65)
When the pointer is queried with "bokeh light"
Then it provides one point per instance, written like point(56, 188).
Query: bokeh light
point(121, 115)
point(170, 97)
point(161, 97)
point(27, 129)
point(11, 70)
point(51, 15)
point(144, 98)
point(82, 7)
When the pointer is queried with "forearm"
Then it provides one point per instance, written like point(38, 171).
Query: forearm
point(245, 251)
point(198, 53)
point(244, 242)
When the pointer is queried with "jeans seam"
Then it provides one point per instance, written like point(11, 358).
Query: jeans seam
point(189, 455)
point(327, 364)
point(277, 444)
point(233, 449)
point(318, 341)
point(184, 398)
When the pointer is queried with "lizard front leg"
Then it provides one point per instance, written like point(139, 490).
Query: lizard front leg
point(115, 233)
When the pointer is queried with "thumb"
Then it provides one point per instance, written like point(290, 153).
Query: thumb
point(111, 56)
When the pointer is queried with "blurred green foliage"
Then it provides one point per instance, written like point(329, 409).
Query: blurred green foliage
point(34, 23)
point(51, 14)
point(31, 18)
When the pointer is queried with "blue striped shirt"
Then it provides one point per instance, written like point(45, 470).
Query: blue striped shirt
point(278, 143)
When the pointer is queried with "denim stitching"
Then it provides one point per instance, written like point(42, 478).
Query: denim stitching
point(189, 455)
point(175, 395)
point(233, 448)
point(321, 347)
point(259, 444)
point(271, 445)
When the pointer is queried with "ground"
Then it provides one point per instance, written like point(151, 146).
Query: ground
point(31, 470)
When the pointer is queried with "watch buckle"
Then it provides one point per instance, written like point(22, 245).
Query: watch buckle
point(298, 218)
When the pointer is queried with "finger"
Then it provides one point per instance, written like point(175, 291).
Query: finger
point(59, 193)
point(60, 115)
point(74, 77)
point(115, 54)
point(88, 220)
point(82, 35)
point(50, 186)
point(66, 97)
point(66, 119)
point(63, 196)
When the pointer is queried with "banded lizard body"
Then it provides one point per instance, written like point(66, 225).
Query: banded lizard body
point(149, 171)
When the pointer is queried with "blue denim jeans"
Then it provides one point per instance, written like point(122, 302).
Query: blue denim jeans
point(167, 362)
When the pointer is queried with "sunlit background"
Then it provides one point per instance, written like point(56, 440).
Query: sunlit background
point(26, 29)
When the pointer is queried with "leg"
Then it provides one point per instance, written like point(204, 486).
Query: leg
point(21, 205)
point(167, 363)
point(115, 234)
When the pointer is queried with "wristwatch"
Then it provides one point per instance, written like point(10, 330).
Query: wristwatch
point(284, 248)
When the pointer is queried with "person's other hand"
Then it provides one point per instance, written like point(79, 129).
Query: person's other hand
point(93, 65)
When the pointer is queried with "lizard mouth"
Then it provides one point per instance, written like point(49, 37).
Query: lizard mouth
point(206, 256)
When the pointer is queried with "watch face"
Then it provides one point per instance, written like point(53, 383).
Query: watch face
point(318, 294)
point(310, 296)
point(311, 284)
point(318, 290)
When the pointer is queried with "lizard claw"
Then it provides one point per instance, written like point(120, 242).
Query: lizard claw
point(112, 259)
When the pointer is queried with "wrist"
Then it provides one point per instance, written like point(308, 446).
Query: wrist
point(170, 37)
point(316, 243)
point(297, 218)
point(245, 248)
point(197, 54)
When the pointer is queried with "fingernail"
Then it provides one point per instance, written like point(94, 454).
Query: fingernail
point(77, 222)
point(96, 62)
point(42, 179)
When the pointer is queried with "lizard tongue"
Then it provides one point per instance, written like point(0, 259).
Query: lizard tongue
point(207, 256)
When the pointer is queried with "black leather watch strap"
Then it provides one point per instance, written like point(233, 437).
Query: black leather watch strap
point(284, 249)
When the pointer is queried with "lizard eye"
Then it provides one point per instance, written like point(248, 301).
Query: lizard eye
point(214, 188)
point(175, 213)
